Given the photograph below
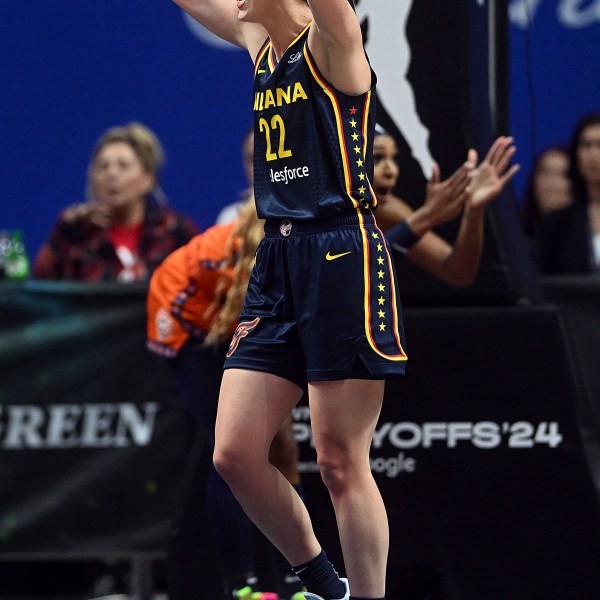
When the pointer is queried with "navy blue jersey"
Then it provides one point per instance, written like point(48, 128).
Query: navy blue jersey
point(313, 155)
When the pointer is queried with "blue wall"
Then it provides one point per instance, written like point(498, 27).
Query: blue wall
point(69, 70)
point(555, 72)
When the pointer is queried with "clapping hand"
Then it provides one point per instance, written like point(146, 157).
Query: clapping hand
point(444, 200)
point(488, 179)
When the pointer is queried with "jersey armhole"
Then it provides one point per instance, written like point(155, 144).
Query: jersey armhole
point(325, 83)
point(260, 53)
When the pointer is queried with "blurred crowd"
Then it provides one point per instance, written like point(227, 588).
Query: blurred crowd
point(561, 208)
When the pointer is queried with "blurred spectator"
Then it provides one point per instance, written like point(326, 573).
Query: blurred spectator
point(124, 230)
point(569, 239)
point(230, 212)
point(548, 186)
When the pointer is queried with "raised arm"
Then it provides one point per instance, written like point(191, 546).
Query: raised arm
point(335, 41)
point(221, 18)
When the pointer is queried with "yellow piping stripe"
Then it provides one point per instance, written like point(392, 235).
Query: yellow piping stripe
point(394, 299)
point(260, 56)
point(300, 34)
point(338, 120)
point(365, 145)
point(271, 59)
point(367, 300)
point(366, 280)
point(365, 123)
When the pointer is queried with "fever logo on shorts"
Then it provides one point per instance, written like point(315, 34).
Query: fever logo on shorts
point(242, 330)
point(285, 228)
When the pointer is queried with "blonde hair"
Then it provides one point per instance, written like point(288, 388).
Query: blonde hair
point(145, 144)
point(231, 290)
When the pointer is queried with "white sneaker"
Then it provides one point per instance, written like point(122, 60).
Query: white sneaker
point(309, 596)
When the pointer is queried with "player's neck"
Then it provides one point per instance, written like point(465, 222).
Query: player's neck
point(285, 29)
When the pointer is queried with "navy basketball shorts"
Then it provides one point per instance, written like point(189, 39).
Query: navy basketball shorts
point(322, 304)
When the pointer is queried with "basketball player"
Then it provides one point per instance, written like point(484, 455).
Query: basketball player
point(322, 302)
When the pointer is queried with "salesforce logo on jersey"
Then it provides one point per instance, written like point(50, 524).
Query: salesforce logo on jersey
point(286, 175)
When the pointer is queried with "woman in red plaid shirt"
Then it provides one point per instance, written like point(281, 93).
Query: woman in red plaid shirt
point(123, 232)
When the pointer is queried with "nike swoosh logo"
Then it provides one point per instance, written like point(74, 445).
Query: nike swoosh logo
point(330, 256)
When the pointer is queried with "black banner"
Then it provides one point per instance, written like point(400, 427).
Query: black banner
point(92, 433)
point(478, 451)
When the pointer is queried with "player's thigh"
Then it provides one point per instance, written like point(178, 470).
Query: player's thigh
point(252, 407)
point(344, 414)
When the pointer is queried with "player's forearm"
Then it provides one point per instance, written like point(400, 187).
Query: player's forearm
point(218, 16)
point(196, 8)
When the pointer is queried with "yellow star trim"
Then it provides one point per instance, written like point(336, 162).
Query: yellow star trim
point(381, 314)
point(381, 287)
point(381, 274)
point(381, 301)
point(382, 327)
point(362, 189)
point(375, 235)
point(356, 149)
point(361, 176)
point(353, 123)
point(354, 136)
point(379, 247)
point(359, 162)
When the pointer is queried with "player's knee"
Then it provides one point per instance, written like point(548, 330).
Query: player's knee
point(228, 463)
point(335, 473)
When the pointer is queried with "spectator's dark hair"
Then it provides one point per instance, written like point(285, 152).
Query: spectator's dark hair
point(578, 183)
